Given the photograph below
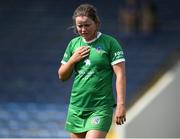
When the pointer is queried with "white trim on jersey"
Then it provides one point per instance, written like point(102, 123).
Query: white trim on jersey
point(118, 61)
point(63, 62)
point(98, 35)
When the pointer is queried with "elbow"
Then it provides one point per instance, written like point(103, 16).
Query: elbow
point(61, 77)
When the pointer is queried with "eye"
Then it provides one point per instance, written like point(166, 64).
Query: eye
point(87, 25)
point(80, 26)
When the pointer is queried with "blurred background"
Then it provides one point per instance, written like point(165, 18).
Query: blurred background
point(33, 38)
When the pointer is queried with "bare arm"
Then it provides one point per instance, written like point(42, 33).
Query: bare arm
point(120, 113)
point(66, 70)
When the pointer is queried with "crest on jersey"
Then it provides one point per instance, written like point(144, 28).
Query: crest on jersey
point(95, 120)
point(99, 48)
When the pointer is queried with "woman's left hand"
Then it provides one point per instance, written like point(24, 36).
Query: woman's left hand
point(120, 114)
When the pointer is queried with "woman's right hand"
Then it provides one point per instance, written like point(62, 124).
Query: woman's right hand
point(80, 53)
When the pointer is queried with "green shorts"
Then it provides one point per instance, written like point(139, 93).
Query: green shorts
point(79, 121)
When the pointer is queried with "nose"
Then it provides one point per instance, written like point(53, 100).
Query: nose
point(83, 29)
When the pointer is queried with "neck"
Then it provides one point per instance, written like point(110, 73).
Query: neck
point(98, 34)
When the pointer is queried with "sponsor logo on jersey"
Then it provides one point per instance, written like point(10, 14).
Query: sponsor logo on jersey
point(96, 120)
point(119, 53)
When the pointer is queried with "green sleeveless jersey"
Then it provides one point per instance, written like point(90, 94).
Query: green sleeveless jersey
point(92, 87)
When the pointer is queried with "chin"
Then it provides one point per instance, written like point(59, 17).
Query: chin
point(86, 38)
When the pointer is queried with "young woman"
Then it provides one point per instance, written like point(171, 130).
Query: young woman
point(94, 57)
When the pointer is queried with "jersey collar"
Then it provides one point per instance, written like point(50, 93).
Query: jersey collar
point(93, 40)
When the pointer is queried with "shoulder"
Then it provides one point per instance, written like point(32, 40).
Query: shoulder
point(76, 39)
point(108, 38)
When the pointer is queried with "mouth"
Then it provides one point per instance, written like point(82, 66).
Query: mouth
point(84, 34)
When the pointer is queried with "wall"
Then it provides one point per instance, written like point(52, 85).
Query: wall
point(157, 113)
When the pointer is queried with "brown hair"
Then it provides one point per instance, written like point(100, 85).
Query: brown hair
point(86, 10)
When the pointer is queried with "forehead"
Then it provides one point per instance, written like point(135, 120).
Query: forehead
point(83, 19)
